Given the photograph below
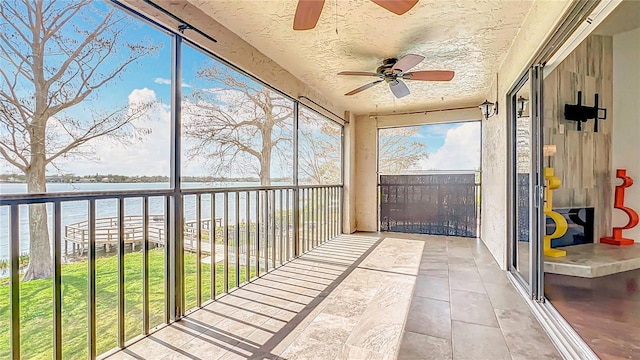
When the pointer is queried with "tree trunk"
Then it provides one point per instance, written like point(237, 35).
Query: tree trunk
point(39, 245)
point(265, 161)
point(265, 170)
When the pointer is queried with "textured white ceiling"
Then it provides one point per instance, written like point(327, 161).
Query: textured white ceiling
point(470, 37)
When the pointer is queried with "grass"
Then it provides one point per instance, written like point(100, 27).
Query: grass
point(36, 304)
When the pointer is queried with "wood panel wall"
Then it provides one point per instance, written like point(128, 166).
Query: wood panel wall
point(583, 158)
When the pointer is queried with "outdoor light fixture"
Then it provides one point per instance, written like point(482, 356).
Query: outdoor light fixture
point(488, 109)
point(522, 103)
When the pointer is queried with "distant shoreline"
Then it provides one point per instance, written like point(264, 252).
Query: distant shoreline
point(119, 179)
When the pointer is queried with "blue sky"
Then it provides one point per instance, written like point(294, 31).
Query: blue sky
point(434, 135)
point(451, 146)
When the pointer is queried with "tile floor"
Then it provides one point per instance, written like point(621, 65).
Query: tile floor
point(364, 296)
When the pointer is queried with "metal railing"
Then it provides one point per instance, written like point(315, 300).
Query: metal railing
point(256, 230)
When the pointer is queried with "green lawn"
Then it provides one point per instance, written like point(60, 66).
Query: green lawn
point(36, 303)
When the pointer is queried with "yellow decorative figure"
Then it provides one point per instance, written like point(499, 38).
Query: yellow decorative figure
point(553, 182)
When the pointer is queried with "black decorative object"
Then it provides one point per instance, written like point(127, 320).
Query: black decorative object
point(582, 113)
point(429, 204)
point(581, 223)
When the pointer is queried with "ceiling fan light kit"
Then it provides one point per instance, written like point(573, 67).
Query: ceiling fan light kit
point(393, 71)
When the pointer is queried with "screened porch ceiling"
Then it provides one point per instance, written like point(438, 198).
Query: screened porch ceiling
point(471, 38)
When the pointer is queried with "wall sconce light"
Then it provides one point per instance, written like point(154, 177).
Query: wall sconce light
point(549, 150)
point(488, 109)
point(522, 103)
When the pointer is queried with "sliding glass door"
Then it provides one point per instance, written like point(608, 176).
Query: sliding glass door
point(526, 181)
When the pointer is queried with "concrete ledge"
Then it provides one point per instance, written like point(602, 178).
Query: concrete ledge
point(594, 260)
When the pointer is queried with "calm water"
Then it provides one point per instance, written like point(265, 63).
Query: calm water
point(73, 212)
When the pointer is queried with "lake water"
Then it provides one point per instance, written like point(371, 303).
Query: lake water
point(73, 212)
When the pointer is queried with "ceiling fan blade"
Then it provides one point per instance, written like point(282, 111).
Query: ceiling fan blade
point(407, 62)
point(363, 88)
point(360, 73)
point(398, 7)
point(399, 89)
point(430, 75)
point(307, 14)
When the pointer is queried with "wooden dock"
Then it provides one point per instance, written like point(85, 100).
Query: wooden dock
point(107, 233)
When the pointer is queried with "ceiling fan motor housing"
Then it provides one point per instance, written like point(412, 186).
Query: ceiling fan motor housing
point(387, 64)
point(393, 71)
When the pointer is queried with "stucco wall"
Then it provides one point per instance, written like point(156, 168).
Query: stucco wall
point(366, 182)
point(349, 214)
point(626, 127)
point(541, 19)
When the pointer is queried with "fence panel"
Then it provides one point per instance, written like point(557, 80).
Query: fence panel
point(435, 204)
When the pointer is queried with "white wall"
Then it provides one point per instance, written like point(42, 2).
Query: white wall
point(626, 121)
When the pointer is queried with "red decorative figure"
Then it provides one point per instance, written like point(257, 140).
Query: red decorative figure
point(617, 238)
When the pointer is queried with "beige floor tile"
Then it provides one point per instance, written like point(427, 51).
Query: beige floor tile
point(350, 352)
point(154, 347)
point(478, 342)
point(124, 355)
point(441, 273)
point(460, 252)
point(505, 296)
point(485, 259)
point(430, 263)
point(432, 287)
point(524, 335)
point(321, 339)
point(466, 279)
point(175, 335)
point(430, 257)
point(493, 275)
point(456, 262)
point(210, 345)
point(460, 283)
point(416, 346)
point(380, 326)
point(429, 317)
point(472, 307)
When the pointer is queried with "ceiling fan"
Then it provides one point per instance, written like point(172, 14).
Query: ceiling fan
point(393, 71)
point(308, 11)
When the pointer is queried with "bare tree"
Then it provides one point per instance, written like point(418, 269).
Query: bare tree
point(319, 150)
point(396, 153)
point(240, 127)
point(57, 55)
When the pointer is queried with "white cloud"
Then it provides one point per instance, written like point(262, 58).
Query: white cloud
point(163, 81)
point(146, 156)
point(149, 155)
point(460, 151)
